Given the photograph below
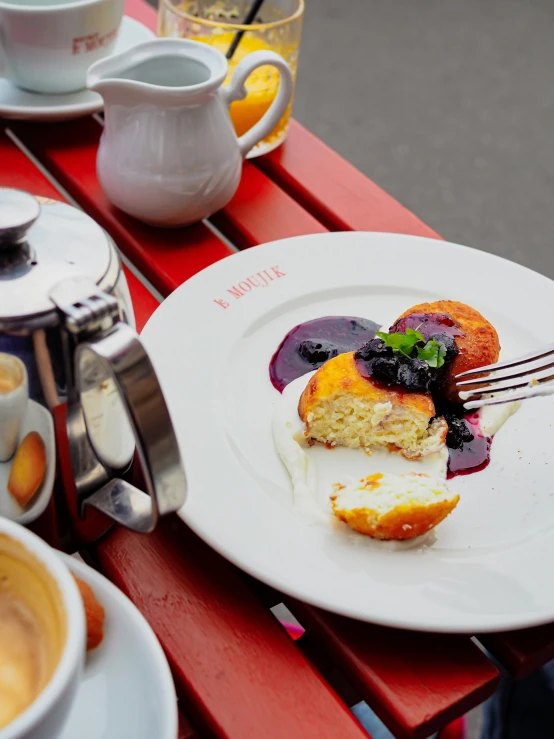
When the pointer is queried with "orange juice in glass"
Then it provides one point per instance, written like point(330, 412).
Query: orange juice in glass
point(278, 28)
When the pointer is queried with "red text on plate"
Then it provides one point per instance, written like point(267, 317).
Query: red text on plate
point(260, 279)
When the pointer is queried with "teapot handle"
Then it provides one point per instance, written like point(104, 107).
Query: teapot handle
point(236, 91)
point(111, 366)
point(118, 357)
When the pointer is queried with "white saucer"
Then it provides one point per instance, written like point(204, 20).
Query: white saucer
point(22, 105)
point(127, 691)
point(37, 419)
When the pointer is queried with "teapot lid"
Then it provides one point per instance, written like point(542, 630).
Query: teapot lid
point(42, 242)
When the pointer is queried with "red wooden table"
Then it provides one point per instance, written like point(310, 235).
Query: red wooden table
point(238, 673)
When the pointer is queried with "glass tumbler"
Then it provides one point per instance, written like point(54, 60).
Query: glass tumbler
point(277, 27)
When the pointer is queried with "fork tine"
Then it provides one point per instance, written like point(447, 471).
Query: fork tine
point(544, 352)
point(513, 376)
point(507, 397)
point(503, 386)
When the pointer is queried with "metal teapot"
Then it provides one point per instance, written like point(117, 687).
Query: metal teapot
point(77, 389)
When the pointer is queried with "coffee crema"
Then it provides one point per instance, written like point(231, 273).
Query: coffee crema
point(33, 628)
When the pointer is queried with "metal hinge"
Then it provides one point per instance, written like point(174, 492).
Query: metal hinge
point(86, 308)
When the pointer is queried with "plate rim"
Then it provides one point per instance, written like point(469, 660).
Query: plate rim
point(520, 620)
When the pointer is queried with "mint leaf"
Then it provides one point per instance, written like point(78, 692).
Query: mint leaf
point(403, 343)
point(414, 332)
point(433, 353)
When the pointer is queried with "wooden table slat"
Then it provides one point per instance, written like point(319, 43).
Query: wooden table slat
point(415, 682)
point(261, 212)
point(521, 652)
point(17, 170)
point(333, 190)
point(237, 672)
point(455, 730)
point(144, 303)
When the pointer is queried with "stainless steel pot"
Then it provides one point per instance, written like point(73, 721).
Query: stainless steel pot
point(66, 316)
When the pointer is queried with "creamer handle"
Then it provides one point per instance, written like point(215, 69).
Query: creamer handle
point(237, 91)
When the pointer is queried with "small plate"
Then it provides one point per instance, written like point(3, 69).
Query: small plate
point(20, 104)
point(488, 568)
point(37, 419)
point(127, 689)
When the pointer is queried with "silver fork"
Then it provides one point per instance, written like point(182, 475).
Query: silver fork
point(515, 379)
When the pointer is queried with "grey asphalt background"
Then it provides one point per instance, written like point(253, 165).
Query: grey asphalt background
point(446, 104)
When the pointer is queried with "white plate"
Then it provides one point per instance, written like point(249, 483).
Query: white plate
point(490, 566)
point(127, 690)
point(22, 105)
point(37, 419)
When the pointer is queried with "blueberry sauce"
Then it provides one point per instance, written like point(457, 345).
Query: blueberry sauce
point(312, 343)
point(470, 455)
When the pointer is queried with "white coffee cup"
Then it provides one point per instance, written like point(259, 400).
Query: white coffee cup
point(48, 45)
point(41, 578)
point(14, 397)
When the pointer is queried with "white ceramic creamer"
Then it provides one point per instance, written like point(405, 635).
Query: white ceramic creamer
point(169, 154)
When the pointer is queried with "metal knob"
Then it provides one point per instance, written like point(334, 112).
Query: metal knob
point(18, 211)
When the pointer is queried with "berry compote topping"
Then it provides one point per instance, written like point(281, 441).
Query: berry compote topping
point(381, 363)
point(469, 450)
point(459, 431)
point(312, 343)
point(377, 361)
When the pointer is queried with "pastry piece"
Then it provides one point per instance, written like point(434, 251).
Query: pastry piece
point(28, 468)
point(340, 406)
point(94, 613)
point(387, 506)
point(475, 338)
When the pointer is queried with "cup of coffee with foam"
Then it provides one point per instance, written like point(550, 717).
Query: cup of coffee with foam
point(42, 636)
point(48, 45)
point(14, 397)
